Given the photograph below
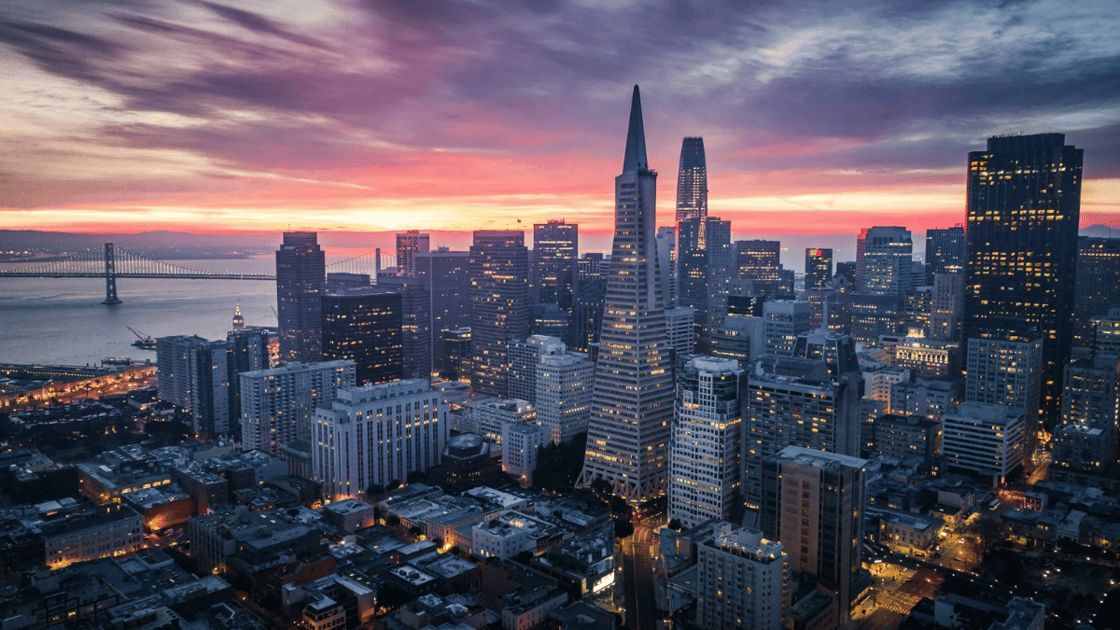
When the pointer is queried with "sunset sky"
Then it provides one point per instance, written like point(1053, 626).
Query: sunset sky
point(130, 115)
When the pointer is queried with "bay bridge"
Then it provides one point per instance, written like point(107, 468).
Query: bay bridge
point(113, 262)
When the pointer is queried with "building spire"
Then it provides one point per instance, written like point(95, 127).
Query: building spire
point(635, 159)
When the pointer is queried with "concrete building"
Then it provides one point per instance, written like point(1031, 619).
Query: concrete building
point(785, 320)
point(704, 450)
point(106, 531)
point(814, 501)
point(524, 357)
point(564, 386)
point(491, 415)
point(277, 404)
point(887, 260)
point(1005, 367)
point(742, 581)
point(193, 373)
point(364, 326)
point(500, 305)
point(984, 438)
point(925, 397)
point(947, 306)
point(520, 442)
point(300, 275)
point(376, 434)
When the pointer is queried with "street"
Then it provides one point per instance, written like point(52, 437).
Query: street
point(638, 580)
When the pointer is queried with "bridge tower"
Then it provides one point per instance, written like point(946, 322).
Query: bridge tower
point(110, 275)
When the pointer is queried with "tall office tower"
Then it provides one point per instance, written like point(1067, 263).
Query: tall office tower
point(742, 581)
point(524, 357)
point(705, 270)
point(416, 322)
point(944, 251)
point(785, 320)
point(814, 502)
point(194, 374)
point(872, 316)
point(760, 262)
point(704, 473)
point(1098, 282)
point(632, 404)
point(887, 261)
point(1105, 335)
point(818, 268)
point(1024, 204)
point(409, 245)
point(300, 274)
point(985, 438)
point(564, 386)
point(680, 330)
point(1089, 395)
point(377, 434)
point(500, 305)
point(364, 326)
point(692, 181)
point(1004, 366)
point(667, 251)
point(456, 358)
point(946, 306)
point(796, 401)
point(587, 320)
point(590, 267)
point(556, 247)
point(448, 278)
point(246, 351)
point(277, 404)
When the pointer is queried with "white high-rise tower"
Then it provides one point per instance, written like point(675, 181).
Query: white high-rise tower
point(632, 404)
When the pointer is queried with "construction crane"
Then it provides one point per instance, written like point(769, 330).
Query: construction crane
point(142, 341)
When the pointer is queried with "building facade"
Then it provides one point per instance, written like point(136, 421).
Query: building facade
point(277, 404)
point(300, 275)
point(364, 326)
point(742, 581)
point(500, 305)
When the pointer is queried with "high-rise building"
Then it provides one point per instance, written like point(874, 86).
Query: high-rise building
point(491, 415)
point(524, 357)
point(377, 434)
point(456, 356)
point(246, 351)
point(946, 306)
point(813, 502)
point(760, 262)
point(556, 247)
point(447, 274)
point(887, 261)
point(742, 581)
point(818, 268)
point(364, 326)
point(1089, 396)
point(1024, 204)
point(632, 404)
point(667, 251)
point(194, 374)
point(564, 386)
point(784, 321)
point(1105, 336)
point(705, 269)
point(797, 401)
point(416, 321)
point(984, 438)
point(300, 274)
point(944, 252)
point(704, 451)
point(692, 181)
point(1098, 282)
point(500, 305)
point(1004, 367)
point(277, 404)
point(409, 245)
point(680, 330)
point(741, 337)
point(587, 320)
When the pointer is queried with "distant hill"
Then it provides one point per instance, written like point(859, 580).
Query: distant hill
point(1100, 231)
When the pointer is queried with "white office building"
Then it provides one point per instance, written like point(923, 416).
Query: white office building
point(564, 386)
point(520, 441)
point(491, 415)
point(742, 581)
point(704, 472)
point(984, 438)
point(277, 405)
point(376, 434)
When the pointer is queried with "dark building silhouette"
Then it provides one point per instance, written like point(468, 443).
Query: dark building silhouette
point(587, 320)
point(364, 326)
point(1098, 283)
point(705, 270)
point(818, 268)
point(556, 247)
point(1024, 202)
point(300, 274)
point(246, 351)
point(759, 262)
point(500, 306)
point(416, 323)
point(449, 282)
point(945, 252)
point(692, 181)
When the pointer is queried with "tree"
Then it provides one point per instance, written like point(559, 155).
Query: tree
point(623, 528)
point(393, 485)
point(675, 524)
point(375, 490)
point(417, 476)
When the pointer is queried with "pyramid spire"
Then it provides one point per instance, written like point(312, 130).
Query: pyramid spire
point(635, 159)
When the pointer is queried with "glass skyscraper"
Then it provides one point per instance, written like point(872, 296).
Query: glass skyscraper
point(300, 274)
point(692, 181)
point(1024, 202)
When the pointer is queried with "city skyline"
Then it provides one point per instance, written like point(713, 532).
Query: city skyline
point(208, 116)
